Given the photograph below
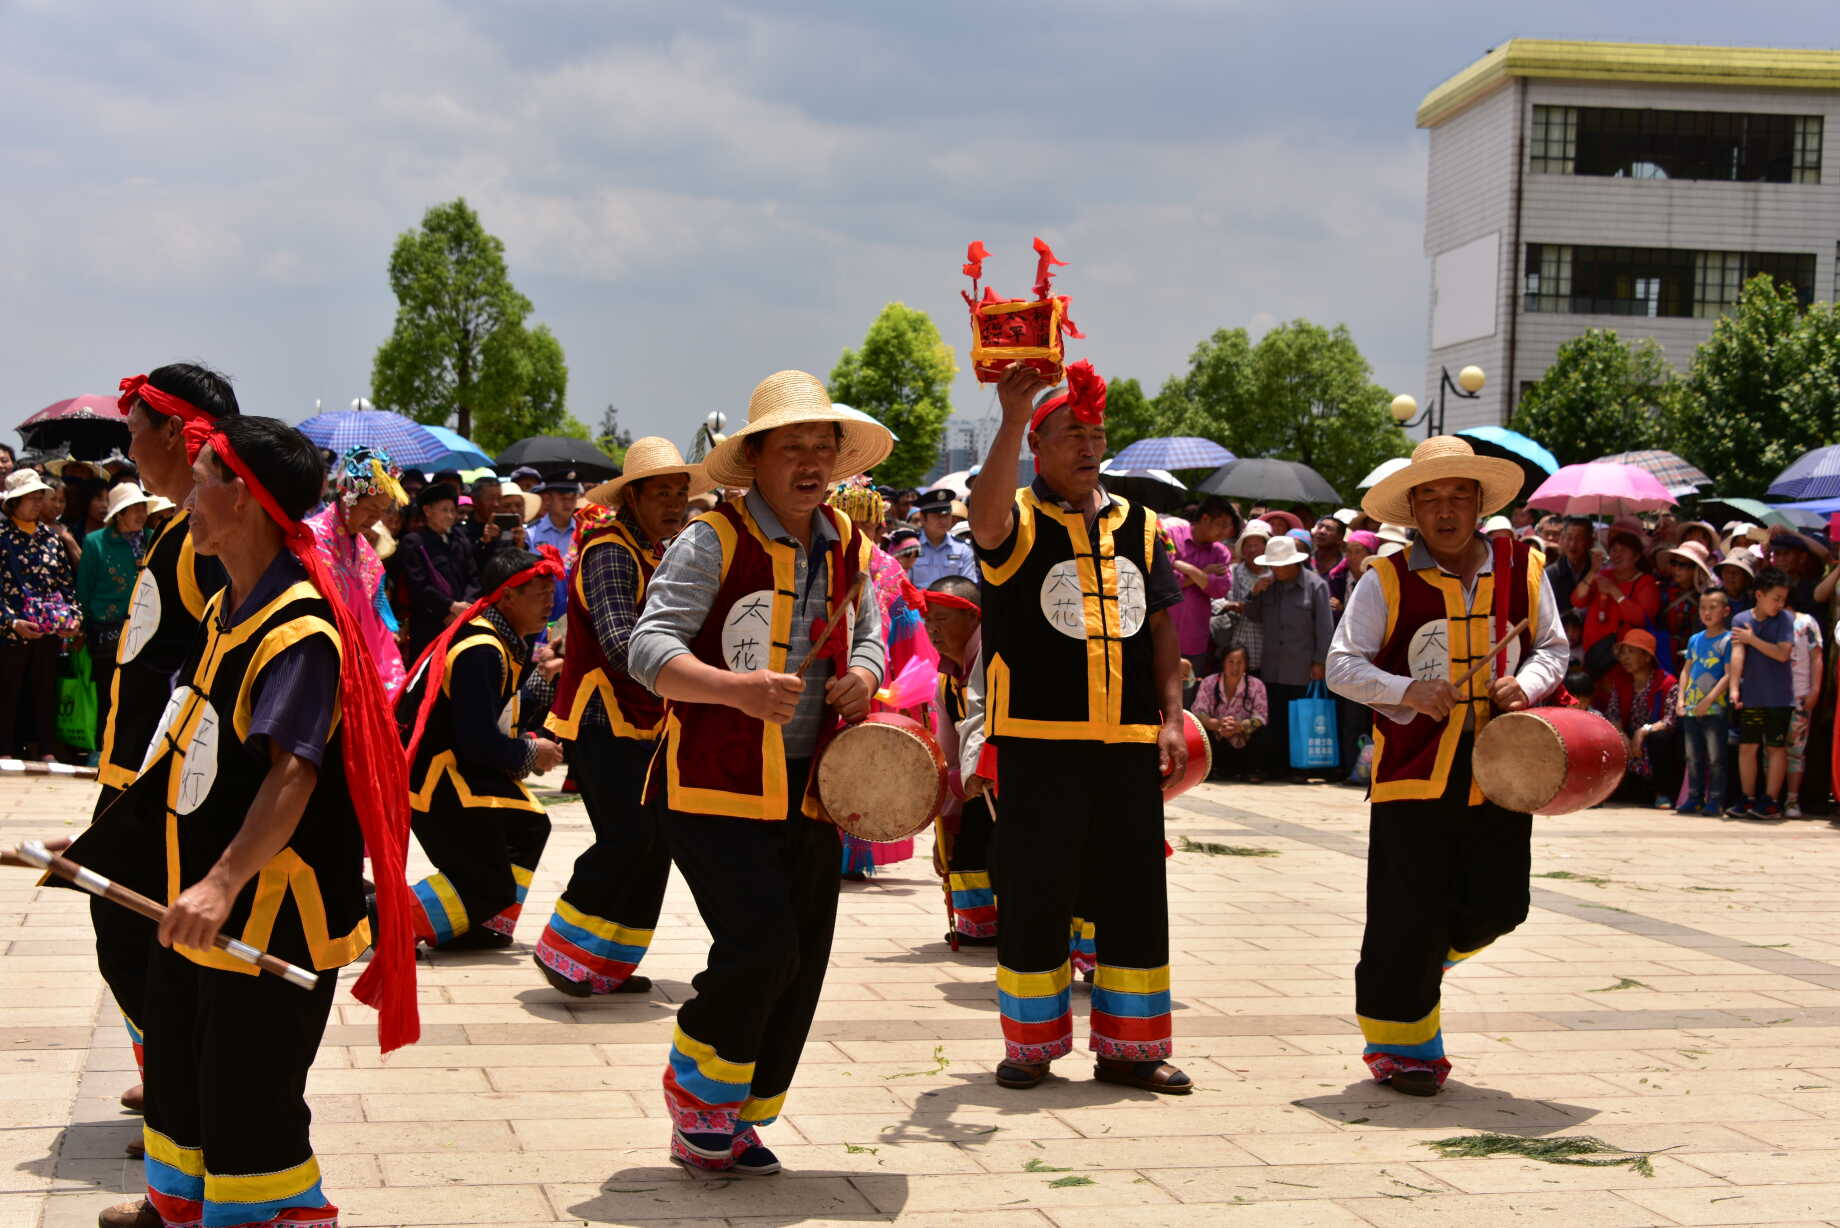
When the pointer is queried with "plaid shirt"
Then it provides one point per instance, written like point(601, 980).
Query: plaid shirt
point(611, 585)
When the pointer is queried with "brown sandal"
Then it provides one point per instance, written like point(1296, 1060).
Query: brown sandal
point(1021, 1075)
point(1150, 1076)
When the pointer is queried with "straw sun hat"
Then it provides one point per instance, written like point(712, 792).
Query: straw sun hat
point(650, 457)
point(1438, 458)
point(793, 398)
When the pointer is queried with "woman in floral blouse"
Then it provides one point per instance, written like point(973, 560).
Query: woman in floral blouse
point(1231, 706)
point(1638, 697)
point(38, 609)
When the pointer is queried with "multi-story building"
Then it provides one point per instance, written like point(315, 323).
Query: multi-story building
point(1579, 185)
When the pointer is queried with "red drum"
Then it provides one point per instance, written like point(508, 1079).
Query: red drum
point(1200, 759)
point(882, 779)
point(1549, 760)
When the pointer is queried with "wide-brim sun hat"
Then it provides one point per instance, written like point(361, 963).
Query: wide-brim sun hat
point(1283, 551)
point(1254, 528)
point(1434, 460)
point(650, 457)
point(1694, 553)
point(1394, 534)
point(20, 483)
point(1741, 559)
point(797, 398)
point(1497, 524)
point(123, 496)
point(159, 503)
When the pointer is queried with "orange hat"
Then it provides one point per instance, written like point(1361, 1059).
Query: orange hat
point(1635, 637)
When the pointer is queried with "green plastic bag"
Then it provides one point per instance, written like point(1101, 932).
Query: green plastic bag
point(76, 714)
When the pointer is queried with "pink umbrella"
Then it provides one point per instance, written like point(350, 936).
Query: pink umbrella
point(77, 407)
point(1601, 488)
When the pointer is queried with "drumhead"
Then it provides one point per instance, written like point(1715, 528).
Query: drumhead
point(881, 781)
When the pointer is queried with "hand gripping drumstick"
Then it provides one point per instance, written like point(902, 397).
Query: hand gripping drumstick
point(830, 624)
point(1483, 664)
point(34, 853)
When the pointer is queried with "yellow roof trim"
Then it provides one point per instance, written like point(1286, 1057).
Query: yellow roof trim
point(1650, 63)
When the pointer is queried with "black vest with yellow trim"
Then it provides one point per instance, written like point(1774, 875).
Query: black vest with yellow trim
point(714, 759)
point(473, 784)
point(160, 634)
point(1067, 657)
point(307, 904)
point(632, 711)
point(1431, 636)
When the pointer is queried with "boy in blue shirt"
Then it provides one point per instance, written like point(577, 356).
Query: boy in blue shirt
point(1703, 715)
point(1763, 692)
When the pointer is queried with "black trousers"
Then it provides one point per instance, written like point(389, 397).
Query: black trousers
point(1082, 834)
point(974, 899)
point(483, 856)
point(227, 1062)
point(768, 893)
point(1278, 698)
point(1444, 880)
point(103, 639)
point(28, 680)
point(1666, 762)
point(1253, 759)
point(603, 923)
point(124, 938)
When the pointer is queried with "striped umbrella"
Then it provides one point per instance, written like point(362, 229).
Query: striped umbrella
point(1676, 476)
point(407, 442)
point(1814, 475)
point(1174, 452)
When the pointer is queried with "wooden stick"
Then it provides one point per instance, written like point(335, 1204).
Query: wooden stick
point(34, 853)
point(830, 624)
point(29, 767)
point(1483, 664)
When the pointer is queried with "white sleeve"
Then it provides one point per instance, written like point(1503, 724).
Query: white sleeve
point(971, 728)
point(1351, 672)
point(1544, 669)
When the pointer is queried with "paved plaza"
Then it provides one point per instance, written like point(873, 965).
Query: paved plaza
point(1676, 991)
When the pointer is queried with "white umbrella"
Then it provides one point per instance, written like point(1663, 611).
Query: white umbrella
point(860, 416)
point(1155, 475)
point(1385, 469)
point(958, 483)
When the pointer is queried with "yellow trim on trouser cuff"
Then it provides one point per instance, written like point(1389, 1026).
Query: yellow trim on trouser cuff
point(1455, 956)
point(1389, 1032)
point(709, 1065)
point(603, 929)
point(188, 1160)
point(762, 1110)
point(450, 903)
point(1034, 984)
point(1132, 980)
point(262, 1187)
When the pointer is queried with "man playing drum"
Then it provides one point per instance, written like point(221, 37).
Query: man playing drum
point(1084, 706)
point(729, 616)
point(602, 926)
point(1446, 869)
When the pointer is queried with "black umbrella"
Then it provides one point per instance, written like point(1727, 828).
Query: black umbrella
point(1266, 480)
point(551, 455)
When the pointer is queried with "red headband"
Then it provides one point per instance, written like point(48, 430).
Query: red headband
point(195, 425)
point(1085, 396)
point(932, 597)
point(435, 655)
point(375, 770)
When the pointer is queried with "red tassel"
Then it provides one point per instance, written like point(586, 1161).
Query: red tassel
point(1043, 273)
point(975, 256)
point(1085, 392)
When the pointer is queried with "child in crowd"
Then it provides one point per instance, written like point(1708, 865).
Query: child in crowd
point(1735, 571)
point(1703, 713)
point(1806, 667)
point(1763, 692)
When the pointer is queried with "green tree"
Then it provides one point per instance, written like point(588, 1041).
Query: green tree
point(1602, 395)
point(611, 438)
point(1762, 390)
point(459, 346)
point(1129, 415)
point(1303, 392)
point(902, 377)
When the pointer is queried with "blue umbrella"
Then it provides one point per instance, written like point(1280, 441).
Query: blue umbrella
point(1174, 452)
point(462, 453)
point(408, 442)
point(1814, 475)
point(1537, 464)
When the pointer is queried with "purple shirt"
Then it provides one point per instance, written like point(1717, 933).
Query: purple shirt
point(1191, 616)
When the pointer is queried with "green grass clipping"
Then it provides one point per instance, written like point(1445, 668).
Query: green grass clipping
point(1579, 1149)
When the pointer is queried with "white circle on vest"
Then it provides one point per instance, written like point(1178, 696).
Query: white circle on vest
point(168, 715)
point(747, 632)
point(508, 718)
point(1063, 602)
point(1428, 656)
point(198, 773)
point(143, 617)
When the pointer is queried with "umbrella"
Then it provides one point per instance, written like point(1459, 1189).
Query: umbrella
point(462, 453)
point(87, 427)
point(1269, 480)
point(1814, 475)
point(860, 416)
point(1384, 470)
point(1537, 464)
point(551, 455)
point(958, 483)
point(408, 442)
point(1600, 488)
point(1157, 489)
point(1718, 509)
point(1676, 476)
point(1174, 452)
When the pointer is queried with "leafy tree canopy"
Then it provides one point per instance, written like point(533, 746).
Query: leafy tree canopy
point(1602, 395)
point(902, 377)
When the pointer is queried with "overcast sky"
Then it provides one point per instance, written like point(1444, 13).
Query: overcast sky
point(695, 195)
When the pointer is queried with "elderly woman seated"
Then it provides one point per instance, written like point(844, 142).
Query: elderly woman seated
point(1231, 706)
point(1637, 696)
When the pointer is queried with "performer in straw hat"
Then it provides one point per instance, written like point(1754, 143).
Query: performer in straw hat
point(1084, 706)
point(730, 613)
point(1446, 869)
point(609, 726)
point(277, 733)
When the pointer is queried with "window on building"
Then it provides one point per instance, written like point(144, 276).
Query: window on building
point(1652, 282)
point(1633, 143)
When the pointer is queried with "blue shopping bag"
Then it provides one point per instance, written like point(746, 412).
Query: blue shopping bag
point(1312, 724)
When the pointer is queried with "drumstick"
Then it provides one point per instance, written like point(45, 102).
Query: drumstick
point(830, 624)
point(28, 767)
point(1483, 664)
point(34, 853)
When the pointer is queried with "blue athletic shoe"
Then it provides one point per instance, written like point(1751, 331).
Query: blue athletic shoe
point(1740, 809)
point(1711, 810)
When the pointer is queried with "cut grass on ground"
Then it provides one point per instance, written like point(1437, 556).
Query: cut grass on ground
point(1223, 850)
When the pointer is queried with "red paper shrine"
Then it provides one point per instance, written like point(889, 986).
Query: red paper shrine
point(1005, 331)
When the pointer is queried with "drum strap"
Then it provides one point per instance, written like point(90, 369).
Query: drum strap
point(1506, 577)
